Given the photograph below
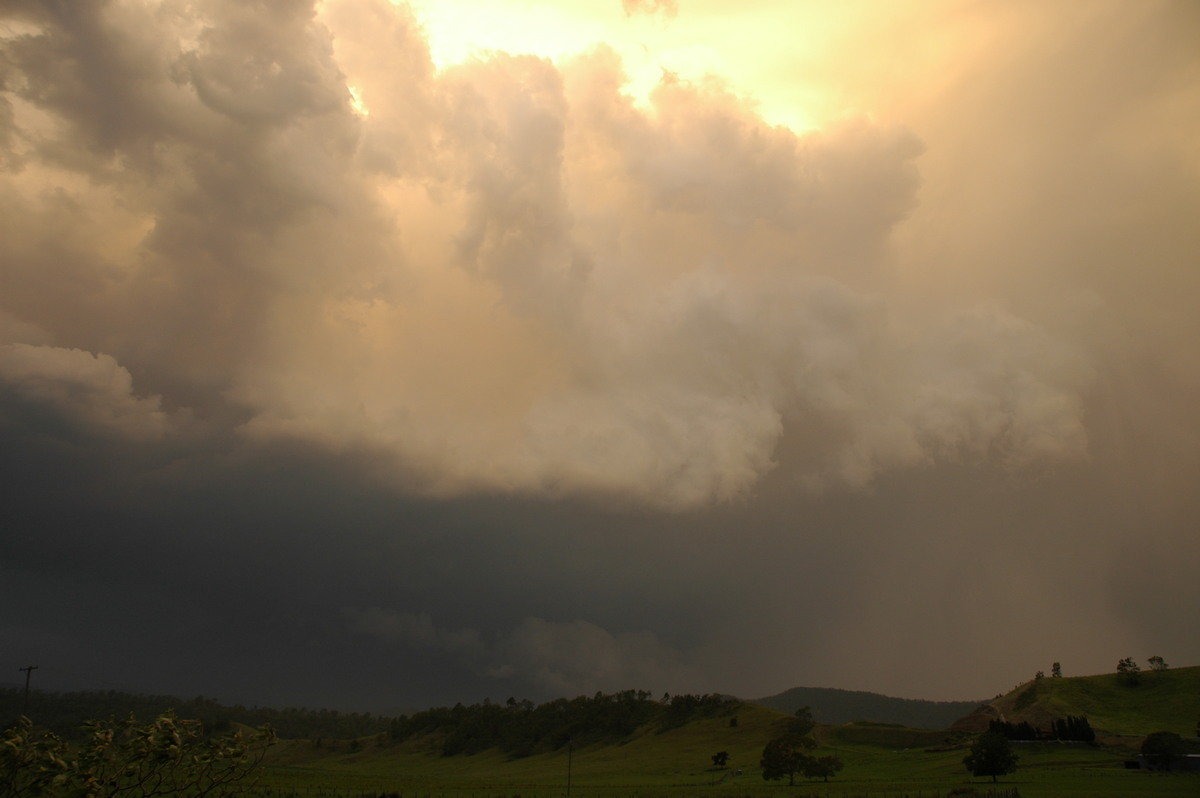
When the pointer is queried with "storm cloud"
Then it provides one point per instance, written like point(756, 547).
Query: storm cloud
point(481, 371)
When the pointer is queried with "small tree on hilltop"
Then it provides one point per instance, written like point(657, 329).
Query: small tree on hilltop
point(1157, 664)
point(1129, 672)
point(786, 756)
point(991, 755)
point(1056, 671)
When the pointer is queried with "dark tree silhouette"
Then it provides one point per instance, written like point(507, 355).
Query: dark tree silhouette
point(786, 756)
point(1162, 748)
point(822, 767)
point(991, 755)
point(1129, 672)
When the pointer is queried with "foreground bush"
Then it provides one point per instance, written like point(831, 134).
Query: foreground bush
point(164, 757)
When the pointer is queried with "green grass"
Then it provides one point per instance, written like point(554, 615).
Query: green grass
point(1164, 701)
point(879, 761)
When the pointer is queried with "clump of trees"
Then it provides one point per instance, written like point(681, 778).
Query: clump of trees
point(1014, 731)
point(1068, 729)
point(788, 754)
point(1072, 728)
point(991, 755)
point(167, 756)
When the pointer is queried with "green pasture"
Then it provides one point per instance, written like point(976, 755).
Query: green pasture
point(879, 761)
point(1116, 708)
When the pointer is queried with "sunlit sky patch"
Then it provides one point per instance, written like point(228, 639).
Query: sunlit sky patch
point(738, 47)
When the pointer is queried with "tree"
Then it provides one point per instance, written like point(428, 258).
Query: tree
point(164, 757)
point(803, 722)
point(1157, 664)
point(720, 759)
point(1162, 748)
point(1129, 672)
point(991, 755)
point(1056, 671)
point(822, 767)
point(786, 756)
point(1074, 729)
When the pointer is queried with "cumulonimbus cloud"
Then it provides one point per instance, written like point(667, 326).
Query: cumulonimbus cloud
point(507, 274)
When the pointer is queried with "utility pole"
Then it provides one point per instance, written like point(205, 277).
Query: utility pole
point(28, 672)
point(570, 750)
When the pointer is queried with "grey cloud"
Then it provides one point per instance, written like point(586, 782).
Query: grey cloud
point(579, 657)
point(547, 657)
point(93, 389)
point(415, 629)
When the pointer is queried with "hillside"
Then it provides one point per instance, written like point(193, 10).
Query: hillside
point(836, 707)
point(650, 755)
point(677, 763)
point(1162, 701)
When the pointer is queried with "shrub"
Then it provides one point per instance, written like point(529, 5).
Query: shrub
point(164, 757)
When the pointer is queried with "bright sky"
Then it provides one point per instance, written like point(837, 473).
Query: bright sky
point(749, 48)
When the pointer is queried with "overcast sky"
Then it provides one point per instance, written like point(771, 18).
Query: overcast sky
point(376, 356)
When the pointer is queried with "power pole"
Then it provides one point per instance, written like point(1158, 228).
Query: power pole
point(28, 672)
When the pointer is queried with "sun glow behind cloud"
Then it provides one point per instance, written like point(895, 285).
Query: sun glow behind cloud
point(650, 45)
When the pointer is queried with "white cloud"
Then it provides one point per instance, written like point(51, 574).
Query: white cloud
point(508, 275)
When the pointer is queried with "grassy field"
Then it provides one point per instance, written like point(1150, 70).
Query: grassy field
point(1162, 701)
point(879, 761)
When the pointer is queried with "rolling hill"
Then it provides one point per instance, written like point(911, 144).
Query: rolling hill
point(836, 707)
point(1162, 701)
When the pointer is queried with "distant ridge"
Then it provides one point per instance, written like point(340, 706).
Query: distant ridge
point(836, 707)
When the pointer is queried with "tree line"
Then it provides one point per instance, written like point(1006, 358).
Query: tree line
point(1068, 729)
point(522, 728)
point(518, 728)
